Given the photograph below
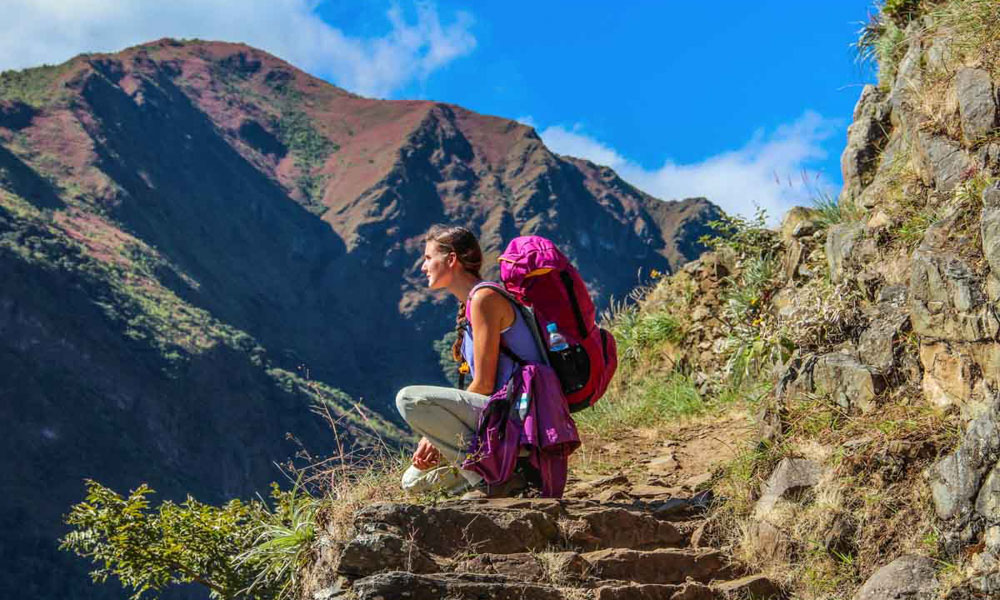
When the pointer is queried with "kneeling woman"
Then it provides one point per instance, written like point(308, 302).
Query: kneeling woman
point(447, 417)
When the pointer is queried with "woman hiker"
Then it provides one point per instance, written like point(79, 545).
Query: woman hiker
point(447, 417)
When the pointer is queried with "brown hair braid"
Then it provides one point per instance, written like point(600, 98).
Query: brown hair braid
point(464, 244)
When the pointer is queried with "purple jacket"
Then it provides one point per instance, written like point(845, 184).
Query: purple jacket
point(547, 432)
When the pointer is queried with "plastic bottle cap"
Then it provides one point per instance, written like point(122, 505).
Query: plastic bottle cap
point(551, 327)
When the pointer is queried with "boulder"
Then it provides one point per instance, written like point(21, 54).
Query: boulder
point(798, 222)
point(841, 240)
point(791, 476)
point(771, 542)
point(794, 253)
point(902, 96)
point(948, 374)
point(955, 479)
point(906, 578)
point(947, 299)
point(866, 138)
point(989, 226)
point(988, 499)
point(977, 104)
point(877, 344)
point(942, 162)
point(880, 221)
point(753, 586)
point(850, 384)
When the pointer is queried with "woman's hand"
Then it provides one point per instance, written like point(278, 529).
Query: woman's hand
point(426, 455)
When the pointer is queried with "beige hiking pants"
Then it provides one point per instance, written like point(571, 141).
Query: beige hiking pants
point(447, 417)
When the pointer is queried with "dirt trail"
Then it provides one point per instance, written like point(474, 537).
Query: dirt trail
point(635, 534)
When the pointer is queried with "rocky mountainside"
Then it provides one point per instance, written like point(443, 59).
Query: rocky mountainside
point(865, 336)
point(198, 242)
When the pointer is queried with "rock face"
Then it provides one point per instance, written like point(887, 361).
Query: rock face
point(866, 138)
point(977, 103)
point(850, 384)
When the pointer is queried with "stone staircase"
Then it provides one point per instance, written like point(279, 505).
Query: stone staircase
point(625, 548)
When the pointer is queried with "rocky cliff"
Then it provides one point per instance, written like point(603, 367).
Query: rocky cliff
point(867, 331)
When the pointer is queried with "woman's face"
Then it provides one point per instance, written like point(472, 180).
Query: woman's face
point(437, 265)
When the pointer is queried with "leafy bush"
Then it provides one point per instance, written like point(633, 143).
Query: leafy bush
point(245, 550)
point(149, 550)
point(448, 365)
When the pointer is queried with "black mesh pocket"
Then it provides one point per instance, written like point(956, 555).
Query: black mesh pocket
point(573, 367)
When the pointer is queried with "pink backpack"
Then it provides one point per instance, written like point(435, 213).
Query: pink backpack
point(538, 275)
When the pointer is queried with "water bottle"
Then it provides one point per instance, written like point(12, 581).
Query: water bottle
point(522, 405)
point(556, 340)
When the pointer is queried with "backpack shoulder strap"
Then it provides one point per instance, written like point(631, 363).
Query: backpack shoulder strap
point(526, 315)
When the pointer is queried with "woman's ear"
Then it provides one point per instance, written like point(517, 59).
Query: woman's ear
point(452, 260)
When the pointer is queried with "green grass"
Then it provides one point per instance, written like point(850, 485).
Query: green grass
point(649, 401)
point(972, 27)
point(831, 211)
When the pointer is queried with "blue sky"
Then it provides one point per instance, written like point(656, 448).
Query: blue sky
point(682, 98)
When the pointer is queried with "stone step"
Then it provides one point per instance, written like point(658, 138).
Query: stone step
point(399, 585)
point(659, 566)
point(562, 568)
point(518, 526)
point(656, 591)
point(447, 530)
point(757, 587)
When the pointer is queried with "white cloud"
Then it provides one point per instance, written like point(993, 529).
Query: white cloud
point(574, 142)
point(771, 171)
point(50, 31)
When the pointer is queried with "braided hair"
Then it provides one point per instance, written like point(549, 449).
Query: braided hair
point(464, 244)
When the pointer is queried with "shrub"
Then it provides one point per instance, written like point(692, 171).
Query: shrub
point(753, 341)
point(636, 332)
point(149, 550)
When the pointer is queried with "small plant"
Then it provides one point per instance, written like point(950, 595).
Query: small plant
point(636, 332)
point(282, 541)
point(753, 342)
point(831, 211)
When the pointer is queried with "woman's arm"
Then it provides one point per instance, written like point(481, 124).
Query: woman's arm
point(488, 313)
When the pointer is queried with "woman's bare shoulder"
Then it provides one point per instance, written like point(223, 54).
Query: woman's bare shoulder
point(490, 301)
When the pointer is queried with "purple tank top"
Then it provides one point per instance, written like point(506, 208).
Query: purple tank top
point(517, 338)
